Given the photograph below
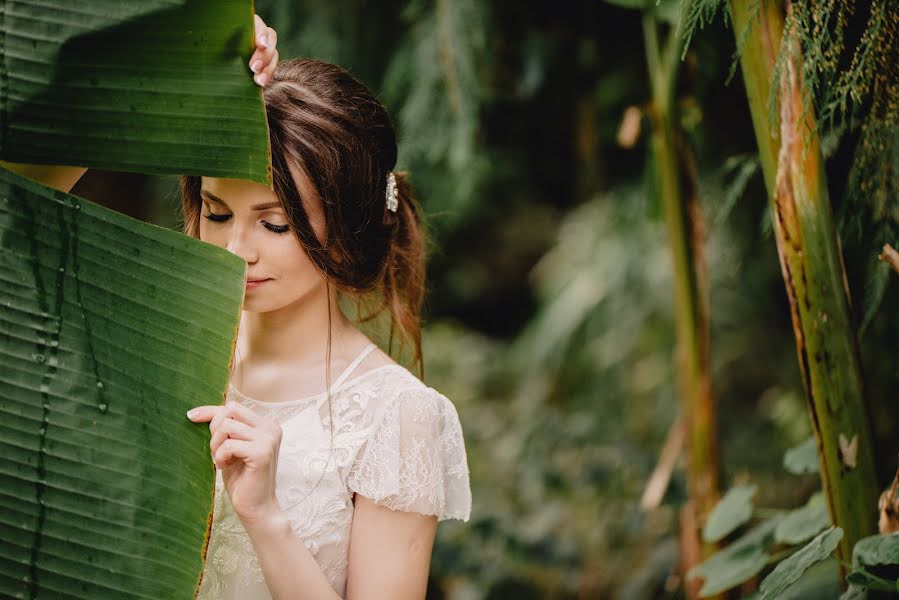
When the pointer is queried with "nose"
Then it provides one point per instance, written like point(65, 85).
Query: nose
point(240, 243)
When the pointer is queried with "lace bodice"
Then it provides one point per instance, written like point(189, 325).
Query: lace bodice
point(394, 440)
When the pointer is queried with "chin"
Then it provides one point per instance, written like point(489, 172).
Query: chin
point(262, 303)
point(257, 306)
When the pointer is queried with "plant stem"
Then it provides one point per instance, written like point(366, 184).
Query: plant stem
point(813, 273)
point(676, 184)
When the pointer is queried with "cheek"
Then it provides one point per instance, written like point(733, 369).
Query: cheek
point(293, 257)
point(213, 233)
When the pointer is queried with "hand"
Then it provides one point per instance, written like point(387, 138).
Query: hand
point(245, 447)
point(265, 58)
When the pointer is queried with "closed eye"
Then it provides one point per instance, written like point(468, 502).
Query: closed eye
point(217, 218)
point(276, 228)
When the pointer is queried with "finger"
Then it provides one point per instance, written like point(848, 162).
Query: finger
point(266, 42)
point(268, 72)
point(259, 26)
point(256, 63)
point(261, 60)
point(239, 412)
point(231, 429)
point(262, 32)
point(217, 419)
point(272, 38)
point(202, 414)
point(231, 450)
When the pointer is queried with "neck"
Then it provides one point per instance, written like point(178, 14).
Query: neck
point(297, 333)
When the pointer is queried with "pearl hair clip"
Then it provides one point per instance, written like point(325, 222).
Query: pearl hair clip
point(392, 194)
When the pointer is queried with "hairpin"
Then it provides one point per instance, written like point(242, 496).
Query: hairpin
point(392, 194)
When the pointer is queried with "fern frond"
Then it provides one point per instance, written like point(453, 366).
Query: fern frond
point(699, 13)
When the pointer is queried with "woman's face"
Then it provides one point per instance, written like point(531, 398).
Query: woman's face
point(246, 218)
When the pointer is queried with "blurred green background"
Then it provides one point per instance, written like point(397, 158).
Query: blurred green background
point(549, 317)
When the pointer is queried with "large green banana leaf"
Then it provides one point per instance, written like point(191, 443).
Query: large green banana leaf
point(110, 329)
point(150, 86)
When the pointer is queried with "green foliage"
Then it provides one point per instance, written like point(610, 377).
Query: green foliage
point(849, 81)
point(865, 94)
point(699, 13)
point(111, 329)
point(821, 580)
point(854, 592)
point(739, 562)
point(434, 78)
point(868, 581)
point(749, 555)
point(790, 569)
point(802, 523)
point(876, 550)
point(731, 512)
point(803, 458)
point(82, 82)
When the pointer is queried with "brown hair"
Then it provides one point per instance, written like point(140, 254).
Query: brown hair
point(329, 126)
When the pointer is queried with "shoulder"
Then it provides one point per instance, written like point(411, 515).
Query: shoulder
point(390, 387)
point(413, 455)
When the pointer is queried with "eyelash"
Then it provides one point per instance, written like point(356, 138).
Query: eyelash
point(273, 228)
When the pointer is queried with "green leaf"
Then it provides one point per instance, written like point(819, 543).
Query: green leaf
point(854, 592)
point(802, 458)
point(737, 563)
point(110, 329)
point(869, 581)
point(873, 550)
point(155, 86)
point(790, 569)
point(801, 524)
point(732, 511)
point(821, 580)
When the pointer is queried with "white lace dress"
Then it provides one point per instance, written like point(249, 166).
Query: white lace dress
point(395, 441)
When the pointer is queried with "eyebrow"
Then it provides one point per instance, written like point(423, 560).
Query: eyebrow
point(218, 200)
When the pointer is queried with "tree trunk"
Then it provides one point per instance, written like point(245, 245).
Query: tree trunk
point(813, 272)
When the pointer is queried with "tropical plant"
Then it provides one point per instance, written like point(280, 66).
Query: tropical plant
point(111, 328)
point(782, 58)
point(132, 86)
point(675, 181)
point(796, 541)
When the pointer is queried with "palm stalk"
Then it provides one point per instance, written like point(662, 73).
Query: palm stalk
point(812, 267)
point(676, 184)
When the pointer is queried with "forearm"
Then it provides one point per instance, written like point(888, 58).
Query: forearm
point(54, 176)
point(289, 568)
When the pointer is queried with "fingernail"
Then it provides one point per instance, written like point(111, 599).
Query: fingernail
point(263, 41)
point(257, 64)
point(191, 414)
point(261, 78)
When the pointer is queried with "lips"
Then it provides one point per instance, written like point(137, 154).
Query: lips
point(255, 283)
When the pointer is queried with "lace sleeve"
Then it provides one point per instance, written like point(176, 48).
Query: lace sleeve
point(414, 459)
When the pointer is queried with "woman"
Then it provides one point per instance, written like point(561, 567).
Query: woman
point(326, 486)
point(334, 464)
